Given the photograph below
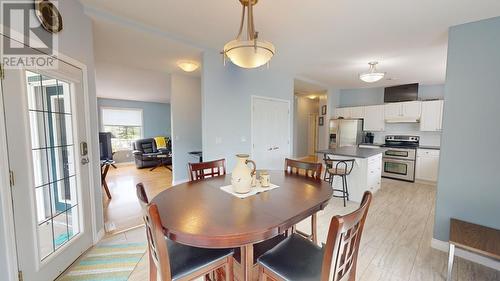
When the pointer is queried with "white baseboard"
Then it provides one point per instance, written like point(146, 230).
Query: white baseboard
point(99, 236)
point(444, 246)
point(176, 182)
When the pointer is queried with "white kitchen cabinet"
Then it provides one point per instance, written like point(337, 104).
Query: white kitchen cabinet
point(344, 112)
point(432, 116)
point(357, 112)
point(365, 176)
point(411, 109)
point(392, 110)
point(374, 118)
point(427, 165)
point(400, 110)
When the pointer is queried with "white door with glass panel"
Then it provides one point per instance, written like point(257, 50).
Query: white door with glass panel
point(46, 136)
point(270, 132)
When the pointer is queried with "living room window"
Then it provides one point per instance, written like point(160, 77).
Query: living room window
point(124, 124)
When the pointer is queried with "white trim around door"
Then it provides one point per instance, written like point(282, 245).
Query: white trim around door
point(9, 243)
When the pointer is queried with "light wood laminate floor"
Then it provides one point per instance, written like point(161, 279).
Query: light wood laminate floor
point(396, 242)
point(123, 211)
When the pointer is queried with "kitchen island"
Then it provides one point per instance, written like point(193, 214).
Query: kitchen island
point(366, 173)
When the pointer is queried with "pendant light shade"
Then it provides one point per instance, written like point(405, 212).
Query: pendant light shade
point(372, 75)
point(250, 52)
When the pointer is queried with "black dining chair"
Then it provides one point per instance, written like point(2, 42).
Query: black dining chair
point(297, 258)
point(175, 261)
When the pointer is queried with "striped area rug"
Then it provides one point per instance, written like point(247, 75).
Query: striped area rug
point(107, 262)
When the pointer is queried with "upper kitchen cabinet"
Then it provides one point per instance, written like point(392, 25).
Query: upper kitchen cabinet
point(350, 112)
point(357, 112)
point(344, 112)
point(374, 118)
point(403, 111)
point(432, 116)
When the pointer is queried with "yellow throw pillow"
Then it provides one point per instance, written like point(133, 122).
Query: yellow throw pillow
point(160, 142)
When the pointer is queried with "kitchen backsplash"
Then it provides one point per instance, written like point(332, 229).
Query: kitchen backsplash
point(413, 129)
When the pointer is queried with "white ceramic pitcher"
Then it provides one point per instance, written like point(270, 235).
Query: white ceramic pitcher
point(241, 178)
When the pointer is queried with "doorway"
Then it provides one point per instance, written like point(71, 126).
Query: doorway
point(312, 135)
point(45, 121)
point(270, 132)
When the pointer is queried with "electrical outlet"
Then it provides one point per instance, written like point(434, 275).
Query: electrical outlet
point(218, 140)
point(243, 139)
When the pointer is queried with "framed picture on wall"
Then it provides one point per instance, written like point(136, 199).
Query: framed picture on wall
point(321, 121)
point(323, 110)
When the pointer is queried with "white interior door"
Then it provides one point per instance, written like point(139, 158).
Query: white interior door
point(270, 132)
point(45, 122)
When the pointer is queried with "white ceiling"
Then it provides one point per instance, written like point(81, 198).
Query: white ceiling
point(120, 44)
point(329, 41)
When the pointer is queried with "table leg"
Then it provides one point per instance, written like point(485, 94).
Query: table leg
point(103, 180)
point(247, 261)
point(451, 255)
point(106, 189)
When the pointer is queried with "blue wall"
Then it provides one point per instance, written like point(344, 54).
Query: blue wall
point(156, 116)
point(226, 99)
point(469, 178)
point(374, 96)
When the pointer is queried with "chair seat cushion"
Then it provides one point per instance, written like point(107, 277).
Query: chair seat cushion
point(296, 258)
point(186, 259)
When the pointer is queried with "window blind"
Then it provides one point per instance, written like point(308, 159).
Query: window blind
point(121, 117)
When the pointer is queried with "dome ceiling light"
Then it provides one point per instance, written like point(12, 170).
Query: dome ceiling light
point(188, 66)
point(372, 75)
point(249, 52)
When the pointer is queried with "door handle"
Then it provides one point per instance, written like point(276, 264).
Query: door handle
point(85, 160)
point(276, 148)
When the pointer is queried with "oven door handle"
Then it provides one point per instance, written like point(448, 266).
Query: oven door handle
point(398, 160)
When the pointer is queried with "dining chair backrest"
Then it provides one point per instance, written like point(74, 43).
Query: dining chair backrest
point(203, 170)
point(157, 247)
point(342, 244)
point(340, 166)
point(157, 243)
point(309, 169)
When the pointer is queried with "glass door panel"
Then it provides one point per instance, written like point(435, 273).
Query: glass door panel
point(396, 168)
point(53, 150)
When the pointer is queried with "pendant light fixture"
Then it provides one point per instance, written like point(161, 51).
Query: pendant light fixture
point(372, 75)
point(249, 52)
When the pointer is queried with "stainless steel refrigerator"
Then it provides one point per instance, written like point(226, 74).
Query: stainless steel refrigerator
point(345, 132)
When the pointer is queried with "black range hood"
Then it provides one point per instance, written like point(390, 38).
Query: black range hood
point(408, 92)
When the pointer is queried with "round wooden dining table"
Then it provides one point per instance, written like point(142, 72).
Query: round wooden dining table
point(200, 214)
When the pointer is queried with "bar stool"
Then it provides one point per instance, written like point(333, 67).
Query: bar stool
point(340, 168)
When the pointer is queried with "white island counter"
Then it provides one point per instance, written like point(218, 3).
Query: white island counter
point(366, 173)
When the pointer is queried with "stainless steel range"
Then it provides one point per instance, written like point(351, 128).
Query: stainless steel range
point(399, 157)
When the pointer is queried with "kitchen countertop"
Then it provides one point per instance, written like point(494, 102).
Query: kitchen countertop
point(371, 144)
point(353, 151)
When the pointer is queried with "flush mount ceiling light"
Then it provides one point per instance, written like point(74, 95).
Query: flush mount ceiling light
point(188, 66)
point(249, 52)
point(372, 75)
